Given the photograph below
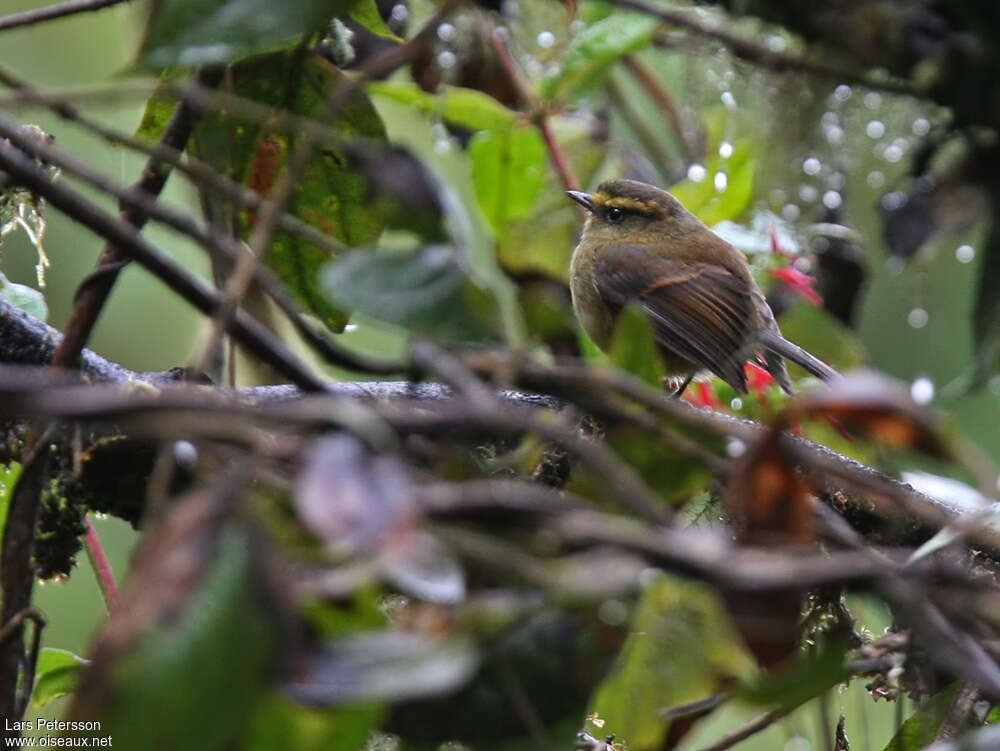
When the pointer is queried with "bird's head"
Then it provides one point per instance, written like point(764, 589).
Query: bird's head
point(633, 212)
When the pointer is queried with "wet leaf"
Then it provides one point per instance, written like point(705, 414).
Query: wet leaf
point(56, 674)
point(682, 648)
point(330, 194)
point(876, 407)
point(596, 49)
point(509, 172)
point(426, 291)
point(352, 498)
point(385, 665)
point(28, 299)
point(200, 32)
point(421, 567)
point(768, 498)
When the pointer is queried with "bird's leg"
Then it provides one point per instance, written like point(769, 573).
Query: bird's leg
point(687, 381)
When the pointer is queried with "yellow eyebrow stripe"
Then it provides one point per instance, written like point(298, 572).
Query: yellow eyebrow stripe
point(626, 203)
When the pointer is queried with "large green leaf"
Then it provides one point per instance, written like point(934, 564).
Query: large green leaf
point(509, 172)
point(331, 193)
point(682, 649)
point(592, 52)
point(542, 242)
point(200, 32)
point(426, 291)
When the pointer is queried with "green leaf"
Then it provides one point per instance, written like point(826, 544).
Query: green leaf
point(542, 242)
point(708, 204)
point(331, 194)
point(56, 674)
point(365, 12)
point(8, 479)
point(466, 108)
point(279, 722)
point(921, 727)
point(426, 291)
point(811, 676)
point(634, 347)
point(28, 299)
point(598, 47)
point(186, 678)
point(509, 172)
point(682, 648)
point(202, 32)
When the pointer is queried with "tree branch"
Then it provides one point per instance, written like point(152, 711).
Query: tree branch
point(51, 12)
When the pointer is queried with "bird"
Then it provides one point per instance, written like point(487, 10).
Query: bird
point(640, 246)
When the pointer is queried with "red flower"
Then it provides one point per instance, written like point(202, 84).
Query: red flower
point(700, 394)
point(801, 284)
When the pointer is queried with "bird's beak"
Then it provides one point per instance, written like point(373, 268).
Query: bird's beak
point(584, 199)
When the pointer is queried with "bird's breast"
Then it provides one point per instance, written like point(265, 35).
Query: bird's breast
point(594, 314)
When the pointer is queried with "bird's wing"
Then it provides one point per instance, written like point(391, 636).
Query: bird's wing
point(700, 311)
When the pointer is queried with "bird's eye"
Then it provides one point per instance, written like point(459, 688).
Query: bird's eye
point(615, 215)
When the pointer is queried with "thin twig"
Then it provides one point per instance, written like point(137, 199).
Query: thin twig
point(94, 291)
point(51, 12)
point(650, 140)
point(754, 726)
point(752, 52)
point(662, 97)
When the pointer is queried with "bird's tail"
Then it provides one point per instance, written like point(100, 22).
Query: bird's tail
point(774, 342)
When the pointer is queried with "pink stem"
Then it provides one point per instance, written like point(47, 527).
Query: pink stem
point(102, 567)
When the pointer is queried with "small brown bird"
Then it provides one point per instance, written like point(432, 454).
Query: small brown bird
point(640, 245)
